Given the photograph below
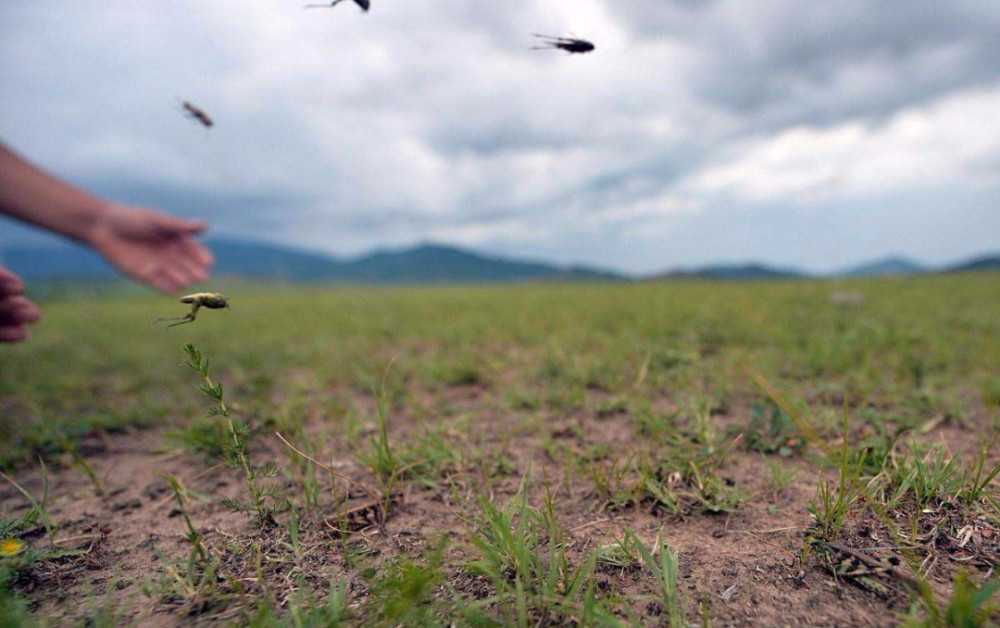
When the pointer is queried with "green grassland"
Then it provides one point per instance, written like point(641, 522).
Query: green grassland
point(554, 451)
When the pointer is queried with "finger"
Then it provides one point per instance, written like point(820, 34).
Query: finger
point(193, 227)
point(10, 283)
point(176, 276)
point(191, 255)
point(198, 252)
point(192, 271)
point(14, 334)
point(160, 281)
point(178, 271)
point(172, 225)
point(17, 311)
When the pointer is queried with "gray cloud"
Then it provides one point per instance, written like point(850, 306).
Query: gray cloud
point(789, 62)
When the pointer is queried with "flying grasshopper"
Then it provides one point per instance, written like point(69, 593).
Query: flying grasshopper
point(198, 114)
point(571, 45)
point(210, 300)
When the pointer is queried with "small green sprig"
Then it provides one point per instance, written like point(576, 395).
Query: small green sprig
point(236, 451)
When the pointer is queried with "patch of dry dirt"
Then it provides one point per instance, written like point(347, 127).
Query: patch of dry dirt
point(746, 567)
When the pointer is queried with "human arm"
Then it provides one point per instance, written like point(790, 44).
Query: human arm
point(149, 246)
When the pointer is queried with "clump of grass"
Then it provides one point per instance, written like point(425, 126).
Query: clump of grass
point(432, 455)
point(681, 473)
point(380, 457)
point(779, 477)
point(458, 373)
point(81, 462)
point(390, 464)
point(205, 435)
point(621, 553)
point(17, 557)
point(664, 573)
point(13, 608)
point(180, 494)
point(875, 452)
point(991, 393)
point(261, 497)
point(970, 605)
point(403, 592)
point(612, 480)
point(523, 553)
point(977, 480)
point(771, 431)
point(304, 610)
point(306, 476)
point(921, 479)
point(679, 481)
point(830, 507)
point(200, 577)
point(105, 612)
point(39, 507)
point(803, 423)
point(832, 503)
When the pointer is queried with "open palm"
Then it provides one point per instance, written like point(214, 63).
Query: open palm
point(155, 248)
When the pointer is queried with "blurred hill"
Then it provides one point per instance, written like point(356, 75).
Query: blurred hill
point(734, 273)
point(421, 264)
point(889, 266)
point(426, 263)
point(990, 262)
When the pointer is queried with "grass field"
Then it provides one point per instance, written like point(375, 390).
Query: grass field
point(670, 454)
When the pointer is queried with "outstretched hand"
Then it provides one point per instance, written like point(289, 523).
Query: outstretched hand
point(149, 246)
point(155, 248)
point(16, 311)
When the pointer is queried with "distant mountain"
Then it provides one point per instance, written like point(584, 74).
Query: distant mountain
point(422, 264)
point(886, 267)
point(889, 266)
point(270, 261)
point(989, 262)
point(433, 264)
point(745, 272)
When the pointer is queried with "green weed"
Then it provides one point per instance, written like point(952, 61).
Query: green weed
point(664, 573)
point(237, 455)
point(522, 552)
point(971, 605)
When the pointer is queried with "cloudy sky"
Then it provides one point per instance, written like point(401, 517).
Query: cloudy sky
point(797, 133)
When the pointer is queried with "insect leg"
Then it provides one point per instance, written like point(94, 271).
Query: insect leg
point(187, 319)
point(552, 38)
point(172, 318)
point(184, 320)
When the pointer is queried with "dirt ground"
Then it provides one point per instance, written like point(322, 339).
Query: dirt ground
point(745, 568)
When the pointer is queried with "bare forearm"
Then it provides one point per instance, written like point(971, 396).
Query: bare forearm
point(36, 197)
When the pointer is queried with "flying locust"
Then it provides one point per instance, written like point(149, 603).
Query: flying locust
point(210, 300)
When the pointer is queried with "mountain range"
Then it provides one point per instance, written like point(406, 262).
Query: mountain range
point(889, 266)
point(419, 265)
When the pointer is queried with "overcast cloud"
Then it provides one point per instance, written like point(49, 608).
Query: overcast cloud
point(806, 134)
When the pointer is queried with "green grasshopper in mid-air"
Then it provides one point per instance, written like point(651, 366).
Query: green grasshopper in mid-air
point(210, 300)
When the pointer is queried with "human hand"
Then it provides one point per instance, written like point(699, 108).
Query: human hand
point(154, 248)
point(16, 311)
